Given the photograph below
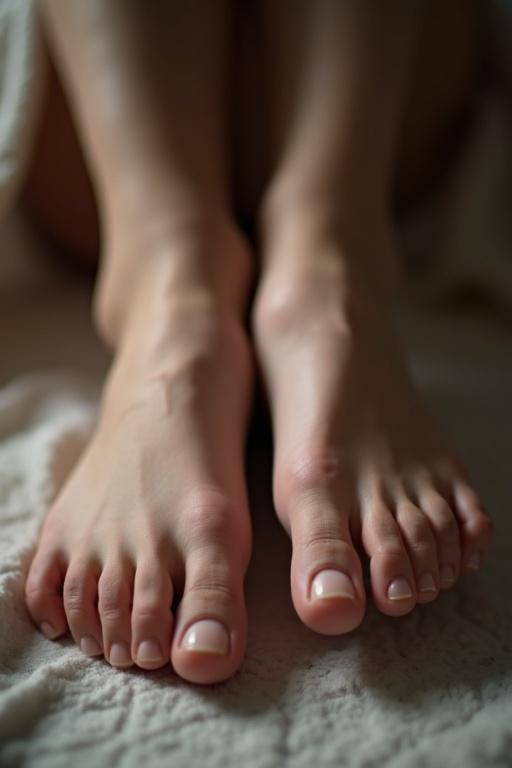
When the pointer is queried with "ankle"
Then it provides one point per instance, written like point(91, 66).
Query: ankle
point(360, 235)
point(166, 259)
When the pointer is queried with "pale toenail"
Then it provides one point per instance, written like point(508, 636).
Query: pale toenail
point(120, 655)
point(48, 630)
point(90, 646)
point(474, 561)
point(399, 589)
point(207, 636)
point(331, 583)
point(149, 650)
point(447, 574)
point(426, 583)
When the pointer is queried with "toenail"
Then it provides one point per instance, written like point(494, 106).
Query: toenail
point(48, 630)
point(149, 650)
point(474, 561)
point(447, 574)
point(90, 646)
point(331, 583)
point(120, 655)
point(426, 583)
point(207, 636)
point(399, 589)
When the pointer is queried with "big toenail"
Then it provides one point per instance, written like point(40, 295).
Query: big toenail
point(399, 589)
point(331, 583)
point(426, 583)
point(207, 636)
point(149, 650)
point(474, 561)
point(48, 630)
point(120, 655)
point(447, 574)
point(90, 646)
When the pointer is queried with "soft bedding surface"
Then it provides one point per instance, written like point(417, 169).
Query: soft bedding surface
point(431, 689)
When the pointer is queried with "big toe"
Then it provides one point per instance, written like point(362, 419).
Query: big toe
point(211, 623)
point(326, 575)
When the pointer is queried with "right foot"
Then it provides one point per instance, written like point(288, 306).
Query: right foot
point(358, 460)
point(156, 509)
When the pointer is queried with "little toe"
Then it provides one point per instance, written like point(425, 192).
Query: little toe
point(421, 546)
point(80, 597)
point(326, 575)
point(43, 593)
point(476, 527)
point(392, 575)
point(211, 622)
point(446, 532)
point(114, 605)
point(151, 615)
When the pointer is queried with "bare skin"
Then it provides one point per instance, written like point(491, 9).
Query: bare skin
point(358, 460)
point(155, 513)
point(156, 510)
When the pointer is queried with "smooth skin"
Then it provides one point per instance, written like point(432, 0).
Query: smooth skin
point(156, 512)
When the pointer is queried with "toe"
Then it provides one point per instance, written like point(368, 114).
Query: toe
point(114, 605)
point(476, 527)
point(419, 539)
point(80, 598)
point(151, 615)
point(446, 533)
point(43, 593)
point(326, 575)
point(392, 575)
point(211, 622)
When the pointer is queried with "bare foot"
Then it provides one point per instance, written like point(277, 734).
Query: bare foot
point(358, 460)
point(155, 513)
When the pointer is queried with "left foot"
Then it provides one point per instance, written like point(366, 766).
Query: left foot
point(357, 457)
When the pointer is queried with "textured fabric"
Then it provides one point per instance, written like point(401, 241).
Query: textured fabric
point(432, 689)
point(20, 92)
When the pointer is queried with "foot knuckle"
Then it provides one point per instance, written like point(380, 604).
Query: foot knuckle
point(150, 610)
point(311, 472)
point(74, 594)
point(113, 596)
point(209, 520)
point(380, 525)
point(211, 594)
point(438, 509)
point(389, 547)
point(111, 612)
point(418, 534)
point(326, 547)
point(443, 520)
point(421, 547)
